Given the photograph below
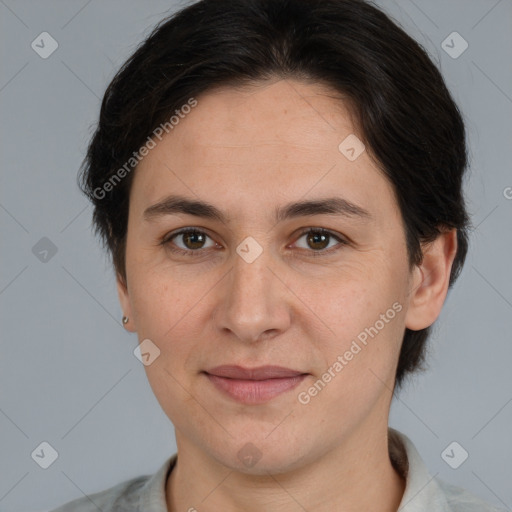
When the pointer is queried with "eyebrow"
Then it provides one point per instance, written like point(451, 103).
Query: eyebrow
point(175, 204)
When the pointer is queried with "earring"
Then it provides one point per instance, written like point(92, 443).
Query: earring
point(125, 320)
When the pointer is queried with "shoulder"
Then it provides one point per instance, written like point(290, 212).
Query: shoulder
point(121, 497)
point(461, 500)
point(143, 493)
point(424, 492)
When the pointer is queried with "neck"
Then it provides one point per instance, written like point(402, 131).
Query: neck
point(357, 475)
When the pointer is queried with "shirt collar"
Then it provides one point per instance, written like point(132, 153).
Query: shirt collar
point(152, 495)
point(422, 490)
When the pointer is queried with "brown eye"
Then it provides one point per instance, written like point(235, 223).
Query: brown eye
point(193, 240)
point(319, 241)
point(188, 241)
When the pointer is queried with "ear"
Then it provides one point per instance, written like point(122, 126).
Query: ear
point(431, 278)
point(124, 300)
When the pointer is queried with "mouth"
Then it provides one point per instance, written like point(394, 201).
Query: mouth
point(254, 386)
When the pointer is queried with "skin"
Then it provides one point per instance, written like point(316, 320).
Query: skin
point(248, 151)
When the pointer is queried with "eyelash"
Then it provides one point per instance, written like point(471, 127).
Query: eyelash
point(199, 252)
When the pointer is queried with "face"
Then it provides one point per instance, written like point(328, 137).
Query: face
point(321, 290)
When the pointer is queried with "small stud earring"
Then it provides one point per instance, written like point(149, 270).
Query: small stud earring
point(125, 320)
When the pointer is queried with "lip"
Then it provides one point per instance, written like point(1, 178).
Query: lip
point(253, 386)
point(258, 373)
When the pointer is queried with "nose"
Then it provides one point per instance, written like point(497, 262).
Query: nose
point(253, 302)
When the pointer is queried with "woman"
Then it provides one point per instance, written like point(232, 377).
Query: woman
point(279, 183)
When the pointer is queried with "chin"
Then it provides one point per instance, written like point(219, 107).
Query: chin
point(252, 458)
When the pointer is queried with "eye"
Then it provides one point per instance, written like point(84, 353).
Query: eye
point(319, 240)
point(188, 241)
point(192, 241)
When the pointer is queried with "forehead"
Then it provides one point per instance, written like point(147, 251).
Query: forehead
point(274, 114)
point(272, 142)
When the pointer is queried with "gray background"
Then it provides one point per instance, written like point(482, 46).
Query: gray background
point(68, 375)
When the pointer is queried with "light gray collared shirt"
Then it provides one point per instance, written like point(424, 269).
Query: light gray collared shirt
point(423, 493)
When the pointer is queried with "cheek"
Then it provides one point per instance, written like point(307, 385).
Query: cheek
point(173, 314)
point(354, 298)
point(366, 315)
point(176, 303)
point(158, 301)
point(358, 368)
